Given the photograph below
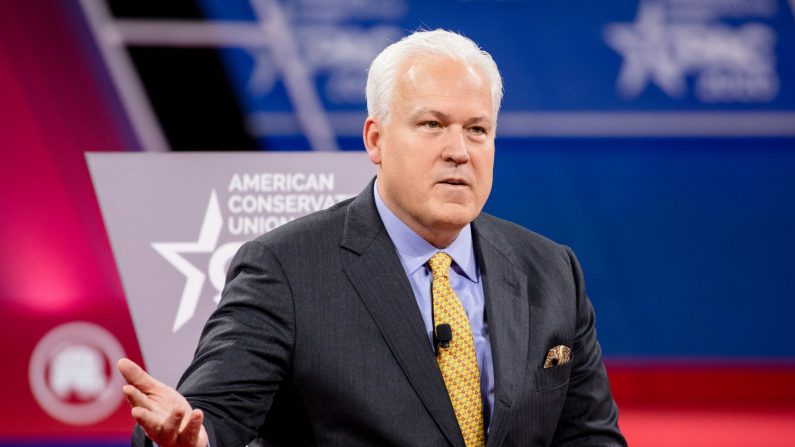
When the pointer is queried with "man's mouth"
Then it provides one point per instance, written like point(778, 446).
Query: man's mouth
point(454, 182)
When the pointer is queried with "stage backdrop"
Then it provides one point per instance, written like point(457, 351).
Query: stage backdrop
point(655, 137)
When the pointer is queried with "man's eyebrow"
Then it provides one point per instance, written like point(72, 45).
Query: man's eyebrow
point(444, 117)
point(422, 111)
point(478, 119)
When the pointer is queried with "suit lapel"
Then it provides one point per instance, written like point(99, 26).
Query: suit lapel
point(378, 277)
point(509, 318)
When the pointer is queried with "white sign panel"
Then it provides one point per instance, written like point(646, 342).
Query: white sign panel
point(176, 219)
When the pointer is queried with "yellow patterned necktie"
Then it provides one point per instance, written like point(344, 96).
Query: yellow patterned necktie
point(458, 361)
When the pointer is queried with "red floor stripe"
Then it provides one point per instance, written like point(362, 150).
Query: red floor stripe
point(765, 386)
point(654, 427)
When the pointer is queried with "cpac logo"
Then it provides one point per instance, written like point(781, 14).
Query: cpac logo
point(195, 277)
point(72, 374)
point(668, 43)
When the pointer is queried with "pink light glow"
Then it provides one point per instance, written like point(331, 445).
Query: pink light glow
point(54, 255)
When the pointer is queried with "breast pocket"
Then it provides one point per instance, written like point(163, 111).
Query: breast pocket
point(551, 378)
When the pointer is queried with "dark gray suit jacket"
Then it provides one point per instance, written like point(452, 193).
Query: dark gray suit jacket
point(318, 340)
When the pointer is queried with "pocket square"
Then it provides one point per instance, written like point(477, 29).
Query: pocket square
point(559, 355)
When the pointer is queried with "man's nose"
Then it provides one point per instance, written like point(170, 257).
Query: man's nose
point(456, 149)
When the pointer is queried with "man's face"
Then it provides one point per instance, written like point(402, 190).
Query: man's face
point(435, 152)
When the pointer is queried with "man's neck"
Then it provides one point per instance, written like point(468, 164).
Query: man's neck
point(440, 237)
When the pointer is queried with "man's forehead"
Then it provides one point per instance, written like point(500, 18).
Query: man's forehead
point(426, 84)
point(421, 67)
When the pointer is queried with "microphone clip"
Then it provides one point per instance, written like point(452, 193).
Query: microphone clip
point(442, 335)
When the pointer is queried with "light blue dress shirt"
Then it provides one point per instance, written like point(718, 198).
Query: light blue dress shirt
point(414, 253)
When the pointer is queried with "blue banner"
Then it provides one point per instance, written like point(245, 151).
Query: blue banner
point(655, 137)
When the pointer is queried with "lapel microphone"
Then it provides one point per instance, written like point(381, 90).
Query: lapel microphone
point(442, 335)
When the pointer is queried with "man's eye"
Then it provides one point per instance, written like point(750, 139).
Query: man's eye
point(478, 130)
point(432, 124)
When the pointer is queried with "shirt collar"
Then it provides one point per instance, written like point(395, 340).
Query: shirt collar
point(415, 251)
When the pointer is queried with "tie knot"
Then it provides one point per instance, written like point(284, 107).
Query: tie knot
point(440, 264)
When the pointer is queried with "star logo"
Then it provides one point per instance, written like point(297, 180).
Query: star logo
point(194, 277)
point(649, 53)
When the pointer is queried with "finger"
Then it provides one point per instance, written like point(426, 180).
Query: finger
point(149, 422)
point(190, 434)
point(136, 376)
point(136, 398)
point(171, 425)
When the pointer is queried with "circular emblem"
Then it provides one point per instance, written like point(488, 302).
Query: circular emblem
point(73, 373)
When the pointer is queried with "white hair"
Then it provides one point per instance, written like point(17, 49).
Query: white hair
point(382, 76)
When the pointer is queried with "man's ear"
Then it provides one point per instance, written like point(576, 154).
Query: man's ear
point(372, 139)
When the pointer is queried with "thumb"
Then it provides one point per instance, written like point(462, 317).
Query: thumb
point(136, 376)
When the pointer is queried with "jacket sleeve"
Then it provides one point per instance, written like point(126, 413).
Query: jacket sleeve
point(589, 416)
point(245, 350)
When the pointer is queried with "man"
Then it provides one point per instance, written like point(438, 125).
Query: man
point(404, 316)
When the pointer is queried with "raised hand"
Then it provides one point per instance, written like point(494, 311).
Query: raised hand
point(163, 413)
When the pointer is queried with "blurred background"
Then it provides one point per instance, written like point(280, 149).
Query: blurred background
point(654, 137)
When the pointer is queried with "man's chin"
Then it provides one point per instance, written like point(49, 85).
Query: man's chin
point(456, 216)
